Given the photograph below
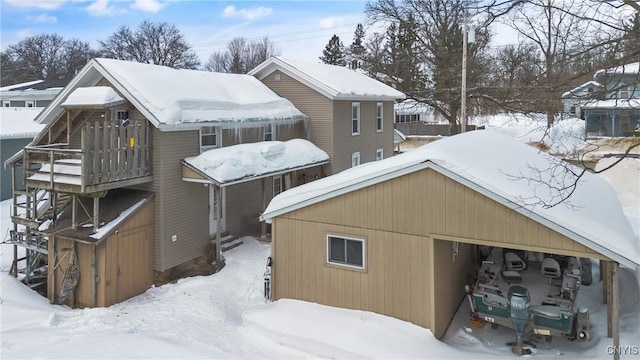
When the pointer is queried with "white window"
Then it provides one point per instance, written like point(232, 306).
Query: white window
point(355, 159)
point(379, 117)
point(355, 118)
point(6, 103)
point(209, 138)
point(379, 154)
point(625, 93)
point(268, 133)
point(29, 104)
point(345, 251)
point(277, 185)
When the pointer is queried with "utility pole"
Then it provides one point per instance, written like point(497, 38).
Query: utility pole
point(463, 96)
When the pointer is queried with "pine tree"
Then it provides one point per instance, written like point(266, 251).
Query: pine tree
point(333, 53)
point(357, 51)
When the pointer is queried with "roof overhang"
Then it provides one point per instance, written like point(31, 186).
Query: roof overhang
point(428, 164)
point(193, 174)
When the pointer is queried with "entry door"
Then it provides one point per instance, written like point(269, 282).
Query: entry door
point(213, 216)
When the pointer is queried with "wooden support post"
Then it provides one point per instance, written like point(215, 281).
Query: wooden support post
point(605, 280)
point(74, 210)
point(218, 194)
point(609, 277)
point(615, 304)
point(263, 224)
point(96, 209)
point(602, 262)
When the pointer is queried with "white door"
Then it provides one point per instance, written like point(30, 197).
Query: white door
point(213, 216)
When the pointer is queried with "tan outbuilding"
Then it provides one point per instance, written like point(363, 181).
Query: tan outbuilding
point(398, 236)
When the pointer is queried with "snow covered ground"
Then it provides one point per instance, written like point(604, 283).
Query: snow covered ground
point(225, 316)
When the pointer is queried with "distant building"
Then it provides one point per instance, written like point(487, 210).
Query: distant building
point(21, 103)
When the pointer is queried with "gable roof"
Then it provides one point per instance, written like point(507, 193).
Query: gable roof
point(578, 89)
point(500, 168)
point(174, 99)
point(334, 82)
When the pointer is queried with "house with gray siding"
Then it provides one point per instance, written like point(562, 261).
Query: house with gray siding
point(21, 103)
point(129, 126)
point(351, 115)
point(615, 111)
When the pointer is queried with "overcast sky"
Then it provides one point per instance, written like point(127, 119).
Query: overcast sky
point(301, 29)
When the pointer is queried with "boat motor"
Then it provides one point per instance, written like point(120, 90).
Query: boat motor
point(519, 308)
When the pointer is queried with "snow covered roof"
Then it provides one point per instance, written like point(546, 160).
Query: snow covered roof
point(577, 89)
point(490, 162)
point(178, 96)
point(613, 104)
point(237, 163)
point(18, 123)
point(632, 68)
point(398, 136)
point(180, 99)
point(410, 106)
point(16, 86)
point(334, 82)
point(95, 96)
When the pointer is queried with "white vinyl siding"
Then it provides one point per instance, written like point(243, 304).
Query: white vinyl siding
point(355, 118)
point(379, 117)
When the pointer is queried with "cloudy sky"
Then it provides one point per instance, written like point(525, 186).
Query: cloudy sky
point(300, 28)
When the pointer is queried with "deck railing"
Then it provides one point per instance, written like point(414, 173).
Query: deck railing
point(110, 152)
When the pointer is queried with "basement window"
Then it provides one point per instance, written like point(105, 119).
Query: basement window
point(345, 251)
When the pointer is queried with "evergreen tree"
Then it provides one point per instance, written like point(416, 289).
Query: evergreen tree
point(333, 53)
point(357, 51)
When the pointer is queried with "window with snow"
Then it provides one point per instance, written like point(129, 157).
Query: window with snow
point(6, 103)
point(355, 118)
point(122, 115)
point(379, 154)
point(379, 117)
point(29, 104)
point(355, 159)
point(346, 251)
point(209, 138)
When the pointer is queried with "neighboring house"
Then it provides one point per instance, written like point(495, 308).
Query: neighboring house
point(574, 99)
point(33, 94)
point(123, 130)
point(350, 115)
point(17, 129)
point(617, 111)
point(399, 237)
point(21, 103)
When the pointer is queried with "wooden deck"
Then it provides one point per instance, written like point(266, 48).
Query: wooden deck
point(110, 157)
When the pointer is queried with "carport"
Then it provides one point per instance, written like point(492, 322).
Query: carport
point(415, 219)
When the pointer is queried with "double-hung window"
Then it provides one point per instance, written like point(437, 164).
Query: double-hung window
point(209, 138)
point(268, 132)
point(345, 251)
point(355, 118)
point(379, 154)
point(29, 103)
point(6, 103)
point(355, 159)
point(379, 117)
point(277, 185)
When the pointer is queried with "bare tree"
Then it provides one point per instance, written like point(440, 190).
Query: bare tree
point(431, 34)
point(241, 55)
point(44, 56)
point(152, 43)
